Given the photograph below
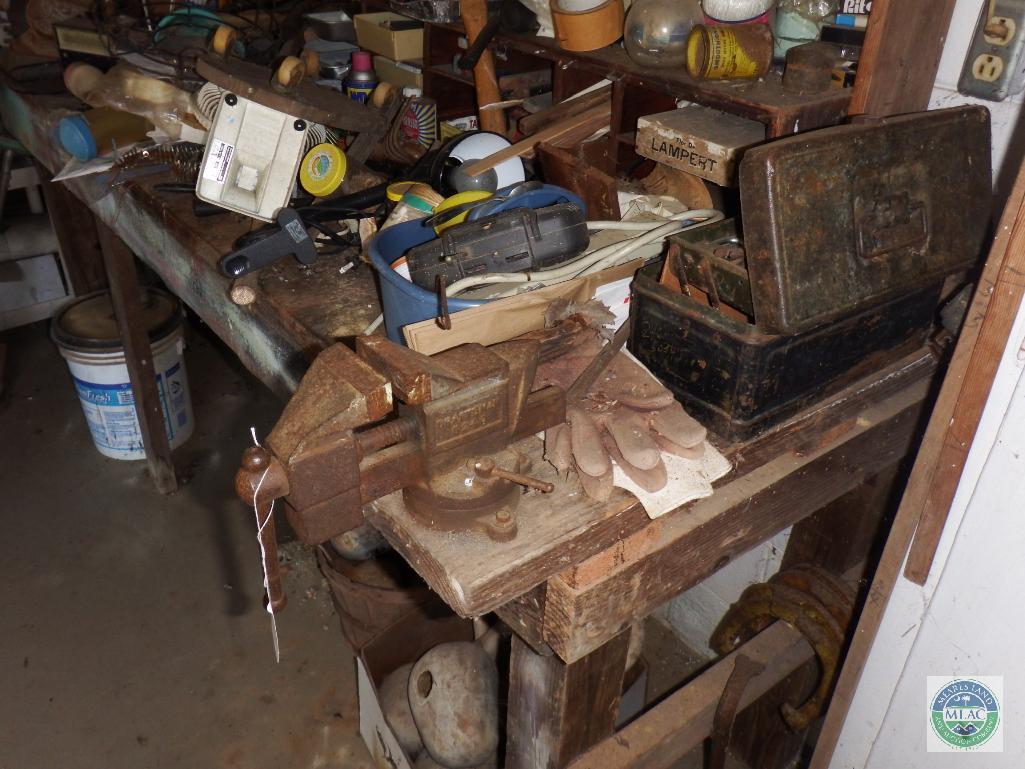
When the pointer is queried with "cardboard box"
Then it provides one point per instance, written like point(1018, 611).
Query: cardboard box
point(372, 34)
point(698, 140)
point(401, 74)
point(404, 643)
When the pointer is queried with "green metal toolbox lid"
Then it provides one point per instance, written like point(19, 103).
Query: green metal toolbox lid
point(846, 217)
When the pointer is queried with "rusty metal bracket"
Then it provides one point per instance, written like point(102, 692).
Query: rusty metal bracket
point(744, 669)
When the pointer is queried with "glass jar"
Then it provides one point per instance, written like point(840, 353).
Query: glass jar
point(655, 32)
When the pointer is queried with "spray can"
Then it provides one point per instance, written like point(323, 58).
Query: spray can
point(725, 53)
point(362, 79)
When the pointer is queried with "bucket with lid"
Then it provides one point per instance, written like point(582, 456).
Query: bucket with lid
point(86, 332)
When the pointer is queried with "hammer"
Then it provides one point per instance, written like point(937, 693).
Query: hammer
point(475, 18)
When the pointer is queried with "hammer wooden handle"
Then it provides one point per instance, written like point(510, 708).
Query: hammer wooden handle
point(475, 17)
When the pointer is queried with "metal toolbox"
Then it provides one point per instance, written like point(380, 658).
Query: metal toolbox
point(834, 269)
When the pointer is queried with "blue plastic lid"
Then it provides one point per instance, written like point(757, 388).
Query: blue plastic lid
point(76, 137)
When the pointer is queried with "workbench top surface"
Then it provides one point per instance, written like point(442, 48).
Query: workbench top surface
point(575, 548)
point(300, 309)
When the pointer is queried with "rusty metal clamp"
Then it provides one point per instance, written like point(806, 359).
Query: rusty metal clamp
point(817, 603)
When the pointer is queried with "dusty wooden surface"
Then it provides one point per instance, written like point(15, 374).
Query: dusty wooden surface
point(696, 542)
point(575, 543)
point(559, 710)
point(300, 310)
point(762, 99)
point(900, 57)
point(667, 732)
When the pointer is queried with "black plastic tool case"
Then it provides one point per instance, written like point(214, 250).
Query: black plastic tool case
point(511, 241)
point(835, 270)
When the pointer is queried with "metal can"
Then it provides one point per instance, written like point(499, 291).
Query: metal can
point(727, 53)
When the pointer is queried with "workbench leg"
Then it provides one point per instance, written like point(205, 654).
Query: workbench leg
point(75, 227)
point(125, 296)
point(559, 710)
point(838, 537)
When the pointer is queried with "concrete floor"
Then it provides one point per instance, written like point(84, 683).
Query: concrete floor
point(132, 632)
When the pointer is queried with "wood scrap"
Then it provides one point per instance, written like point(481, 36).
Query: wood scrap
point(531, 124)
point(570, 129)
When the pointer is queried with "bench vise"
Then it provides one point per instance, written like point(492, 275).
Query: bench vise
point(441, 428)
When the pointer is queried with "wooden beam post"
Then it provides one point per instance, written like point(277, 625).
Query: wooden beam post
point(559, 710)
point(124, 292)
point(903, 45)
point(77, 236)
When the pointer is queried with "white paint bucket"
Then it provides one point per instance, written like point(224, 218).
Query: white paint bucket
point(86, 332)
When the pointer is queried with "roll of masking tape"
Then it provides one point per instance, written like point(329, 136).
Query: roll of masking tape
point(588, 30)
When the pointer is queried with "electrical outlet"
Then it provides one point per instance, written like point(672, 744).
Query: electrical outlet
point(995, 66)
point(987, 68)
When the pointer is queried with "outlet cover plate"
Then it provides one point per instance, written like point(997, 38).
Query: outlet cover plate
point(1009, 77)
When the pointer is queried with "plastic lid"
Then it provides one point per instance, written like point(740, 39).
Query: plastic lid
point(361, 61)
point(89, 322)
point(322, 170)
point(76, 137)
point(396, 190)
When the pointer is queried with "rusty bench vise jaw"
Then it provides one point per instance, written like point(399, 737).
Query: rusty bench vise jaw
point(442, 428)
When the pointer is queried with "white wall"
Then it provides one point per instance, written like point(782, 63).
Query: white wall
point(969, 618)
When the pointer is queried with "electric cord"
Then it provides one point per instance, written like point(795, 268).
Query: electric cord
point(597, 260)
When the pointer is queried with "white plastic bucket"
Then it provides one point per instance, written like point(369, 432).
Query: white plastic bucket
point(104, 390)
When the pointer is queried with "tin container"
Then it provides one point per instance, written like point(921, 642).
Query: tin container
point(834, 269)
point(729, 52)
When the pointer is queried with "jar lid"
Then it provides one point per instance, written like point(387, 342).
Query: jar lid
point(76, 137)
point(323, 170)
point(89, 322)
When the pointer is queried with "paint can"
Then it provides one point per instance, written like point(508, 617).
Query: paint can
point(86, 332)
point(727, 53)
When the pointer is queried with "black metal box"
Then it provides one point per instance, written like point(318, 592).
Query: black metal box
point(835, 270)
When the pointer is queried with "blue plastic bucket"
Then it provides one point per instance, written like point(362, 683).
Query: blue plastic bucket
point(402, 301)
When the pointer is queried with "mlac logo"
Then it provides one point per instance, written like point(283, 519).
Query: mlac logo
point(964, 714)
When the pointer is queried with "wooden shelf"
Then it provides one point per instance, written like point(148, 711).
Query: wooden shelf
point(763, 100)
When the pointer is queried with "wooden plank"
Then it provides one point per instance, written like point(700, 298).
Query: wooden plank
point(1002, 301)
point(475, 574)
point(124, 293)
point(922, 477)
point(847, 531)
point(559, 710)
point(561, 530)
point(708, 534)
point(79, 241)
point(902, 50)
point(813, 428)
point(585, 123)
point(531, 124)
point(525, 617)
point(681, 722)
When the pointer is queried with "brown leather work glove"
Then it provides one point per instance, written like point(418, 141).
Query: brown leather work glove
point(627, 416)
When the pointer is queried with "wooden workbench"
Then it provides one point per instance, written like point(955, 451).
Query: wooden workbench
point(577, 576)
point(300, 310)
